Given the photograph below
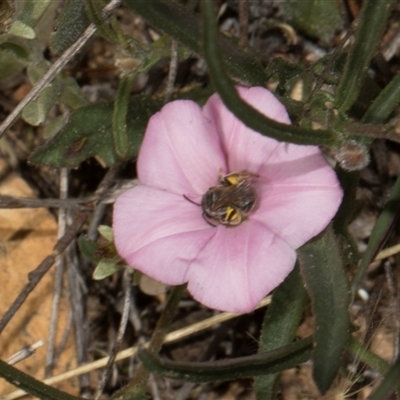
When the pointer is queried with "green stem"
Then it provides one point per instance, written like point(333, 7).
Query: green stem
point(361, 353)
point(183, 25)
point(272, 362)
point(247, 114)
point(389, 383)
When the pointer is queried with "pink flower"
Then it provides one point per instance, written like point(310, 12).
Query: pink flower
point(230, 262)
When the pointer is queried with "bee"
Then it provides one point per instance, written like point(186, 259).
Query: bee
point(230, 202)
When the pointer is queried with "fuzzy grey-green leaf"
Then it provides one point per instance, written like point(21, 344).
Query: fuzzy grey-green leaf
point(105, 268)
point(325, 279)
point(88, 133)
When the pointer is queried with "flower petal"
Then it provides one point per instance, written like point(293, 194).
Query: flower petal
point(239, 266)
point(159, 233)
point(246, 149)
point(180, 153)
point(296, 213)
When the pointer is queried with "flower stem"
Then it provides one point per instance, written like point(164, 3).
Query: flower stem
point(243, 111)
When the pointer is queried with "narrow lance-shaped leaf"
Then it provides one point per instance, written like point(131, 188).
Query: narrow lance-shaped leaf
point(119, 119)
point(373, 18)
point(72, 22)
point(380, 232)
point(106, 29)
point(380, 110)
point(31, 385)
point(242, 367)
point(280, 324)
point(326, 282)
point(349, 182)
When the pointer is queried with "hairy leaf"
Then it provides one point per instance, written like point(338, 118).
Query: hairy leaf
point(326, 282)
point(88, 133)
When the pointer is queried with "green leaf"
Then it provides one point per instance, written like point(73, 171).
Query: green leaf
point(373, 19)
point(242, 367)
point(104, 255)
point(88, 133)
point(104, 28)
point(349, 182)
point(318, 18)
point(22, 30)
point(13, 59)
point(89, 249)
point(389, 98)
point(380, 233)
point(326, 282)
point(106, 268)
point(119, 118)
point(19, 52)
point(280, 324)
point(71, 24)
point(36, 111)
point(53, 127)
point(31, 385)
point(71, 94)
point(183, 25)
point(107, 232)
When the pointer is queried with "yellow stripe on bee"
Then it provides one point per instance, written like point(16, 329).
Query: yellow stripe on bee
point(232, 216)
point(236, 177)
point(233, 180)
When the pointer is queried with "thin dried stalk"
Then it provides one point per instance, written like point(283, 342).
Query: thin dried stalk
point(244, 23)
point(120, 335)
point(58, 277)
point(173, 69)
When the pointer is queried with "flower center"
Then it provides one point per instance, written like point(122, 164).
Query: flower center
point(230, 202)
